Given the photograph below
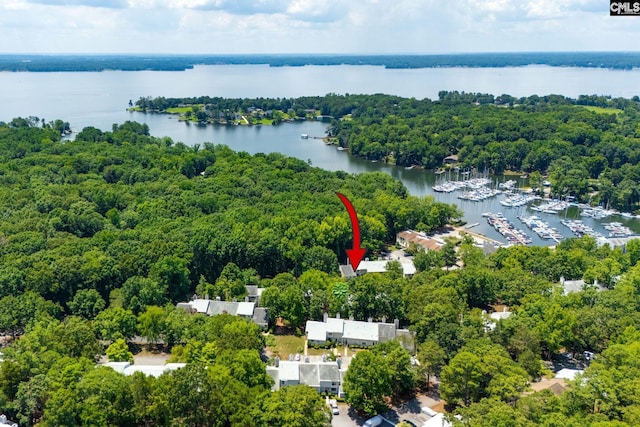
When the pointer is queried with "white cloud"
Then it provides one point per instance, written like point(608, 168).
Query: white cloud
point(321, 26)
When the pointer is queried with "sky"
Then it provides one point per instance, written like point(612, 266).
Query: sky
point(312, 26)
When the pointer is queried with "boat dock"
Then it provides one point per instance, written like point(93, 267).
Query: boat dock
point(579, 228)
point(509, 231)
point(541, 228)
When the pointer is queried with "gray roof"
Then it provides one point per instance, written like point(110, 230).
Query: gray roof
point(309, 374)
point(386, 331)
point(347, 271)
point(220, 307)
point(328, 372)
point(252, 290)
point(274, 373)
point(261, 316)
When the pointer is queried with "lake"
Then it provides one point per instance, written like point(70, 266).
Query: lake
point(100, 100)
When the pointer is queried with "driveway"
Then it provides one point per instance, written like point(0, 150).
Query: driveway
point(348, 418)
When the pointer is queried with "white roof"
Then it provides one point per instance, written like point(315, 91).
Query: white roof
point(245, 308)
point(437, 420)
point(408, 268)
point(381, 266)
point(119, 367)
point(200, 305)
point(366, 331)
point(499, 315)
point(316, 331)
point(373, 266)
point(334, 325)
point(289, 371)
point(568, 374)
point(127, 368)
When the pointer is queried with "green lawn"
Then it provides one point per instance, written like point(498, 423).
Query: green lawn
point(181, 110)
point(601, 110)
point(287, 344)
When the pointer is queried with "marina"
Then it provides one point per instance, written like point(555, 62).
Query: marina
point(579, 228)
point(616, 229)
point(542, 216)
point(479, 194)
point(517, 200)
point(541, 228)
point(502, 225)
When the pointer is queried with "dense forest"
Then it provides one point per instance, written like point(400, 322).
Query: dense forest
point(48, 63)
point(588, 147)
point(101, 236)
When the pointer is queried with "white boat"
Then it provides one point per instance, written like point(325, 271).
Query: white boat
point(304, 136)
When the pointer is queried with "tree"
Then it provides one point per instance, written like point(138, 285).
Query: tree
point(461, 379)
point(139, 292)
point(87, 303)
point(30, 399)
point(118, 351)
point(367, 382)
point(151, 323)
point(171, 273)
point(294, 406)
point(431, 357)
point(449, 255)
point(114, 323)
point(426, 260)
point(401, 372)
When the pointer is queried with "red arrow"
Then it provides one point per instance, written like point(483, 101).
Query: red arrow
point(355, 255)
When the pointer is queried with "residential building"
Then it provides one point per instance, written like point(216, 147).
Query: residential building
point(356, 333)
point(569, 286)
point(126, 368)
point(322, 376)
point(421, 240)
point(379, 266)
point(4, 422)
point(245, 309)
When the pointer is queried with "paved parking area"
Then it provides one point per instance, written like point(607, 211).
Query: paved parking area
point(347, 417)
point(409, 411)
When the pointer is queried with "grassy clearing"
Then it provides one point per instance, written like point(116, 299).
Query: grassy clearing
point(286, 344)
point(602, 110)
point(182, 110)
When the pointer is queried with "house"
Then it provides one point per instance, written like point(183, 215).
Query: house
point(4, 422)
point(355, 332)
point(245, 309)
point(323, 376)
point(379, 266)
point(253, 293)
point(569, 286)
point(126, 368)
point(568, 374)
point(437, 420)
point(493, 318)
point(405, 238)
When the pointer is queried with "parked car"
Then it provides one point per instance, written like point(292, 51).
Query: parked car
point(334, 407)
point(373, 422)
